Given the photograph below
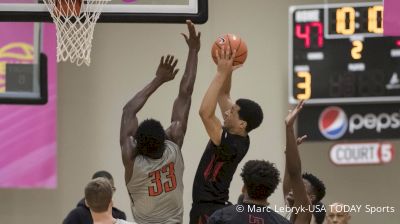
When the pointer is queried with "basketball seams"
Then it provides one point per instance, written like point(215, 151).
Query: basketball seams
point(241, 54)
point(229, 41)
point(240, 43)
point(218, 45)
point(235, 62)
point(239, 58)
point(230, 47)
point(238, 47)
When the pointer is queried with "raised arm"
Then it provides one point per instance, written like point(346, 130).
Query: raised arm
point(180, 112)
point(224, 98)
point(208, 105)
point(129, 122)
point(293, 167)
point(287, 187)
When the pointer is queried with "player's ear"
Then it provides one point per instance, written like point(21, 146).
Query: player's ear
point(313, 197)
point(112, 203)
point(86, 203)
point(243, 124)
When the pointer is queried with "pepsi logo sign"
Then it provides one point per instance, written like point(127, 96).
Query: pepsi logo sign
point(333, 123)
point(345, 122)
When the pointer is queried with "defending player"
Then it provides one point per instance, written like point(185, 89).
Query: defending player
point(151, 155)
point(314, 187)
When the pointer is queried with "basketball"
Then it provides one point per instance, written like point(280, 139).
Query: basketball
point(68, 7)
point(234, 42)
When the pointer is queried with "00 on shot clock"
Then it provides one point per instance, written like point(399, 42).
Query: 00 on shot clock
point(338, 54)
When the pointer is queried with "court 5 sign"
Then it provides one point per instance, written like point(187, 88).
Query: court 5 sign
point(372, 153)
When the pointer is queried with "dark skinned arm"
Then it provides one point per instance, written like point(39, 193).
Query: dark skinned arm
point(286, 180)
point(129, 122)
point(180, 112)
point(293, 167)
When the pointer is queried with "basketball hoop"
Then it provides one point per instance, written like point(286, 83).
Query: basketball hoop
point(75, 21)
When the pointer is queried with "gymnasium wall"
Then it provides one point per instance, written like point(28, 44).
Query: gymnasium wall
point(125, 58)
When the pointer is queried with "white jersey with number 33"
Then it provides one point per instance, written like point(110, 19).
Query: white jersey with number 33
point(156, 187)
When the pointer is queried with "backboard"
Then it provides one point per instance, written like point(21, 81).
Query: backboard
point(23, 67)
point(116, 11)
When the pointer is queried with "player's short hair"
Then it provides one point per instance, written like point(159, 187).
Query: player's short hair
point(104, 174)
point(318, 187)
point(260, 178)
point(150, 137)
point(250, 112)
point(319, 213)
point(240, 199)
point(98, 194)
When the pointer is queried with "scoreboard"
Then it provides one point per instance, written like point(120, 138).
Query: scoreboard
point(338, 54)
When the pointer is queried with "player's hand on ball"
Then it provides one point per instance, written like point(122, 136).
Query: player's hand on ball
point(225, 60)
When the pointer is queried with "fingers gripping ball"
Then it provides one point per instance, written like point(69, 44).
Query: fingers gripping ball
point(234, 42)
point(68, 7)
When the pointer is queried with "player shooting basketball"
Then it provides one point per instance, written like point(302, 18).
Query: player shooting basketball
point(151, 155)
point(228, 143)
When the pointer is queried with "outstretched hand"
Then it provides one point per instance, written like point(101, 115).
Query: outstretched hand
point(225, 60)
point(292, 116)
point(166, 69)
point(193, 40)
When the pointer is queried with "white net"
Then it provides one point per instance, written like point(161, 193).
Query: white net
point(75, 21)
